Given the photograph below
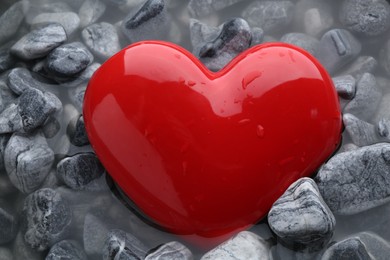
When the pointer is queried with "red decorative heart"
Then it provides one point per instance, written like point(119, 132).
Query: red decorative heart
point(205, 153)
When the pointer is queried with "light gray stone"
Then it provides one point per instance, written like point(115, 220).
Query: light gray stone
point(304, 41)
point(170, 251)
point(201, 33)
point(345, 86)
point(350, 248)
point(66, 249)
point(95, 232)
point(69, 20)
point(361, 132)
point(77, 132)
point(122, 245)
point(11, 20)
point(90, 11)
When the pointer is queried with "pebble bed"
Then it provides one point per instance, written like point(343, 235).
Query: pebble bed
point(56, 200)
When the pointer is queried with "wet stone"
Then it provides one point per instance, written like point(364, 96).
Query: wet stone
point(11, 20)
point(271, 16)
point(47, 218)
point(102, 39)
point(39, 42)
point(363, 64)
point(355, 181)
point(66, 249)
point(367, 98)
point(69, 20)
point(152, 21)
point(345, 86)
point(350, 248)
point(27, 161)
point(122, 245)
point(170, 251)
point(8, 226)
point(81, 171)
point(368, 17)
point(199, 8)
point(68, 60)
point(300, 218)
point(337, 48)
point(90, 11)
point(76, 131)
point(304, 41)
point(361, 132)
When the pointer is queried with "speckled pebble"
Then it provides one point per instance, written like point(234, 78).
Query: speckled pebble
point(170, 251)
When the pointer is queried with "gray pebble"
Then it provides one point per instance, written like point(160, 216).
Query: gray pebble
point(95, 232)
point(170, 251)
point(243, 246)
point(271, 16)
point(354, 181)
point(39, 42)
point(6, 186)
point(47, 218)
point(337, 48)
point(46, 7)
point(367, 98)
point(68, 60)
point(27, 160)
point(300, 215)
point(4, 138)
point(83, 77)
point(8, 226)
point(51, 127)
point(384, 128)
point(102, 39)
point(350, 248)
point(345, 86)
point(77, 132)
point(257, 36)
point(201, 33)
point(122, 245)
point(383, 109)
point(22, 250)
point(5, 254)
point(152, 21)
point(7, 96)
point(304, 41)
point(81, 171)
point(66, 249)
point(6, 59)
point(376, 246)
point(369, 17)
point(199, 8)
point(361, 132)
point(384, 57)
point(69, 20)
point(90, 11)
point(11, 20)
point(363, 64)
point(348, 147)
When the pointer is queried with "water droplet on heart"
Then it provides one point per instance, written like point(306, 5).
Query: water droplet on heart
point(244, 121)
point(222, 110)
point(177, 56)
point(191, 83)
point(182, 80)
point(260, 131)
point(249, 78)
point(236, 100)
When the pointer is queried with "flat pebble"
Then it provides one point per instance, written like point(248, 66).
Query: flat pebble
point(66, 249)
point(355, 181)
point(102, 39)
point(302, 40)
point(90, 11)
point(47, 218)
point(170, 251)
point(77, 132)
point(39, 42)
point(11, 20)
point(345, 86)
point(243, 246)
point(8, 226)
point(27, 161)
point(361, 132)
point(69, 20)
point(350, 248)
point(122, 245)
point(300, 215)
point(200, 8)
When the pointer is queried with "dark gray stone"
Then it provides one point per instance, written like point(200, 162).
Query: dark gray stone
point(337, 48)
point(39, 42)
point(11, 20)
point(27, 160)
point(304, 41)
point(345, 86)
point(199, 8)
point(300, 217)
point(66, 249)
point(76, 132)
point(368, 17)
point(8, 226)
point(350, 248)
point(68, 60)
point(361, 132)
point(4, 138)
point(69, 20)
point(355, 181)
point(81, 171)
point(271, 16)
point(6, 187)
point(122, 245)
point(47, 218)
point(102, 39)
point(90, 11)
point(84, 76)
point(170, 251)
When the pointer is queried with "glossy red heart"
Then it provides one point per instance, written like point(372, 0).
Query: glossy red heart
point(203, 153)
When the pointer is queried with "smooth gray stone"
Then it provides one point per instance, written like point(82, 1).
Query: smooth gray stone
point(68, 60)
point(102, 39)
point(384, 128)
point(271, 16)
point(27, 161)
point(376, 246)
point(383, 109)
point(243, 246)
point(122, 245)
point(304, 41)
point(368, 17)
point(200, 8)
point(11, 20)
point(367, 98)
point(384, 57)
point(20, 79)
point(5, 254)
point(10, 120)
point(355, 181)
point(348, 147)
point(363, 64)
point(8, 226)
point(170, 251)
point(39, 42)
point(345, 86)
point(66, 249)
point(37, 8)
point(69, 20)
point(151, 21)
point(7, 96)
point(7, 61)
point(90, 11)
point(77, 132)
point(300, 217)
point(201, 33)
point(361, 132)
point(350, 248)
point(337, 48)
point(234, 38)
point(51, 127)
point(22, 250)
point(84, 76)
point(76, 95)
point(257, 36)
point(81, 171)
point(47, 218)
